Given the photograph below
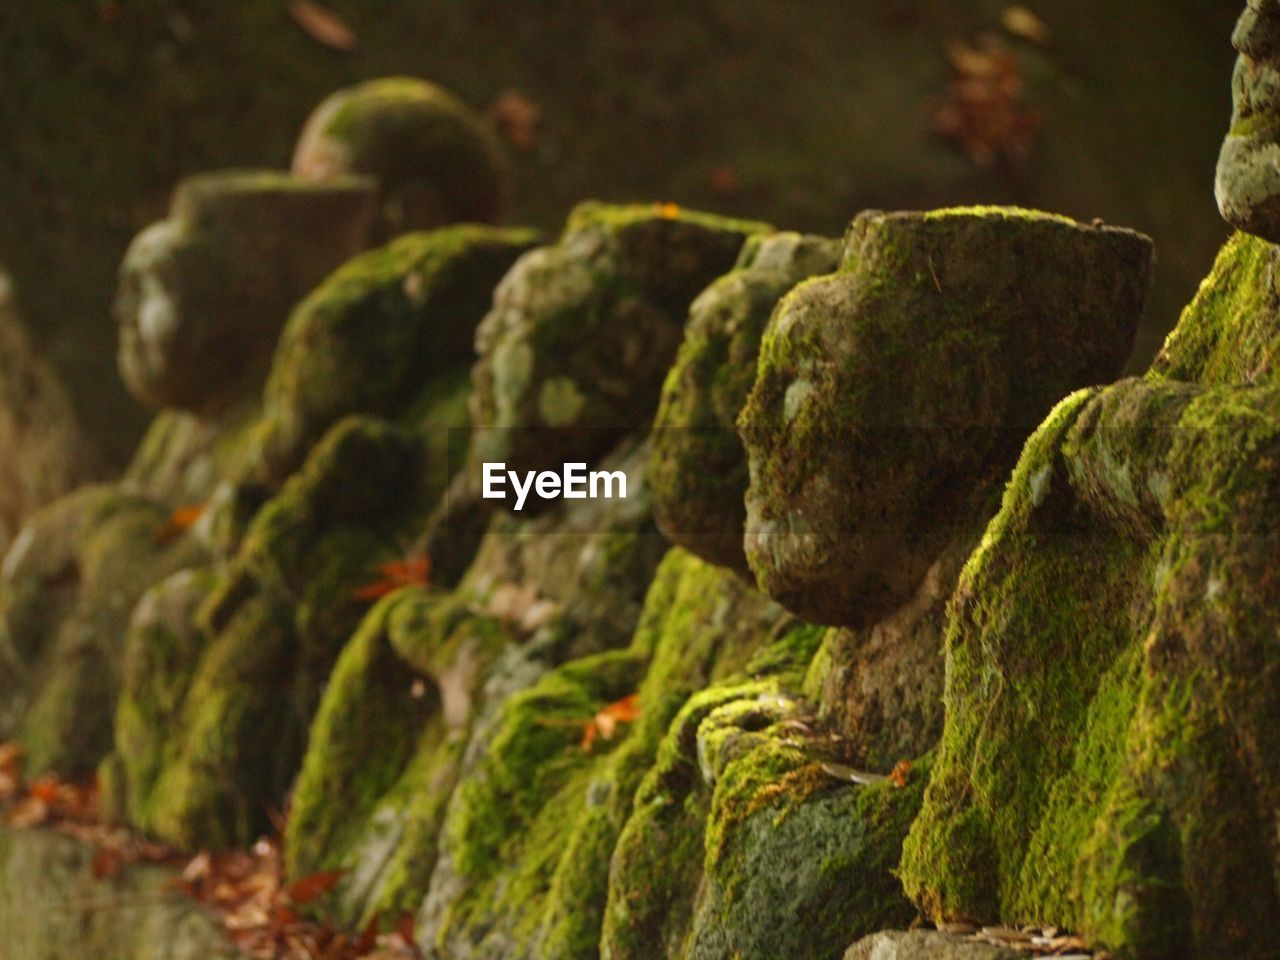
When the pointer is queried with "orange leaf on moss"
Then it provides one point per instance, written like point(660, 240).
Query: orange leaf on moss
point(605, 722)
point(393, 576)
point(898, 775)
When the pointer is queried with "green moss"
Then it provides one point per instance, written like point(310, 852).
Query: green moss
point(1226, 335)
point(277, 620)
point(388, 334)
point(161, 651)
point(360, 744)
point(582, 332)
point(70, 587)
point(617, 217)
point(699, 469)
point(1108, 707)
point(951, 296)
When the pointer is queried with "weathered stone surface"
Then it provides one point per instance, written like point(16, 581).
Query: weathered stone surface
point(574, 351)
point(383, 762)
point(67, 587)
point(892, 394)
point(52, 907)
point(1248, 179)
point(203, 294)
point(389, 334)
point(558, 807)
point(881, 686)
point(925, 945)
point(1108, 758)
point(273, 626)
point(435, 160)
point(699, 470)
point(42, 451)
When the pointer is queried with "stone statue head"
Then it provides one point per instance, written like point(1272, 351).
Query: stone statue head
point(1248, 180)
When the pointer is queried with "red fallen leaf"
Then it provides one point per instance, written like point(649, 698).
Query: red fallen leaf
point(368, 938)
point(11, 758)
point(106, 863)
point(311, 888)
point(46, 789)
point(898, 775)
point(516, 116)
point(404, 929)
point(394, 575)
point(322, 25)
point(179, 522)
point(606, 720)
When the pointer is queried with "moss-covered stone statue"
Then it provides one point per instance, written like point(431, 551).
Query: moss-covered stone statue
point(43, 452)
point(699, 470)
point(575, 349)
point(1248, 181)
point(203, 294)
point(891, 394)
point(434, 159)
point(1109, 757)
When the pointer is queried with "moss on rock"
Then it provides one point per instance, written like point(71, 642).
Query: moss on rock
point(582, 332)
point(203, 294)
point(699, 470)
point(276, 620)
point(890, 394)
point(70, 582)
point(434, 159)
point(389, 334)
point(1110, 707)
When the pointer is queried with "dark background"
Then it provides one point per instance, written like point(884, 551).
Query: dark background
point(801, 113)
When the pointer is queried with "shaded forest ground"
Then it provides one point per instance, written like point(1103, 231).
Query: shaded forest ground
point(799, 114)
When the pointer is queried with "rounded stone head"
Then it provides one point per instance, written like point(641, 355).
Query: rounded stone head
point(1248, 179)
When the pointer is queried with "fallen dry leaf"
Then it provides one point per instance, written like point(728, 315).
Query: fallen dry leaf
point(311, 888)
point(29, 812)
point(985, 115)
point(898, 775)
point(323, 25)
point(605, 722)
point(181, 520)
point(393, 576)
point(724, 179)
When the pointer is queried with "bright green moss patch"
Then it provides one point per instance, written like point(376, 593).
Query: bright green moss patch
point(386, 334)
point(1228, 332)
point(1109, 704)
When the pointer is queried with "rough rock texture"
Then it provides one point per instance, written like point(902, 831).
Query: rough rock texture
point(203, 294)
point(1108, 759)
point(924, 945)
point(67, 588)
point(581, 333)
point(435, 161)
point(881, 685)
point(539, 592)
point(538, 812)
point(273, 626)
point(53, 907)
point(1248, 181)
point(699, 470)
point(390, 334)
point(888, 392)
point(42, 451)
